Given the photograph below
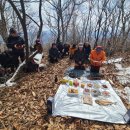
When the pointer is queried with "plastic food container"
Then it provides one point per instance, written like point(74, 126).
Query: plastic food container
point(95, 92)
point(86, 91)
point(72, 92)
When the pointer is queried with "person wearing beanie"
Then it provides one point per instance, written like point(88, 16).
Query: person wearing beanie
point(97, 57)
point(54, 54)
point(38, 46)
point(80, 57)
point(16, 44)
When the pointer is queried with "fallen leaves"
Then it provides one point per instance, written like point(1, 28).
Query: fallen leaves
point(24, 107)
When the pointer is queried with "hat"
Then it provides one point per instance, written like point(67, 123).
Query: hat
point(99, 48)
point(12, 30)
point(80, 44)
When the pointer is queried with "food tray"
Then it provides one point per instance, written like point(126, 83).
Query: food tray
point(72, 92)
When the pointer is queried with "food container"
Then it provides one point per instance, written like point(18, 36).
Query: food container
point(70, 83)
point(86, 91)
point(64, 81)
point(76, 83)
point(106, 93)
point(96, 86)
point(104, 86)
point(83, 85)
point(95, 92)
point(72, 92)
point(89, 84)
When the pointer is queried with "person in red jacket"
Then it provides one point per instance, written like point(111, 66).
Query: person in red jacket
point(97, 57)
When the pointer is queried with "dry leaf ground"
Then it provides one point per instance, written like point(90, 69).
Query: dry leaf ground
point(23, 107)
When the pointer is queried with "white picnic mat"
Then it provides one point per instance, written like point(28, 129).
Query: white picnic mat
point(65, 105)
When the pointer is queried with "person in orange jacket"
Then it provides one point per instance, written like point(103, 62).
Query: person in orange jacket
point(72, 51)
point(97, 57)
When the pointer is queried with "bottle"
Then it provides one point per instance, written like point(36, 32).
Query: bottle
point(56, 79)
point(50, 103)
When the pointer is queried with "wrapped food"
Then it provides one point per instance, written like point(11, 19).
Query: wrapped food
point(89, 85)
point(104, 102)
point(106, 93)
point(76, 83)
point(104, 86)
point(64, 81)
point(87, 100)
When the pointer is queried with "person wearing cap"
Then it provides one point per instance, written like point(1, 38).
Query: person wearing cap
point(54, 54)
point(97, 57)
point(80, 57)
point(16, 44)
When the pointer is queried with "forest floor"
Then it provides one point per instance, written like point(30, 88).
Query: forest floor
point(23, 107)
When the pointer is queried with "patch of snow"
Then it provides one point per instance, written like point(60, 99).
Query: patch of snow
point(114, 60)
point(124, 74)
point(118, 66)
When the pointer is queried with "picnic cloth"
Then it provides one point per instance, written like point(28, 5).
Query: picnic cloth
point(65, 105)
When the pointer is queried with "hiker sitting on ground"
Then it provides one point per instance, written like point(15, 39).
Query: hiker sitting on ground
point(53, 54)
point(38, 46)
point(60, 47)
point(33, 64)
point(87, 49)
point(80, 57)
point(66, 50)
point(72, 51)
point(97, 57)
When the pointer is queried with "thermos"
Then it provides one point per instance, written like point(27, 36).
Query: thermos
point(50, 102)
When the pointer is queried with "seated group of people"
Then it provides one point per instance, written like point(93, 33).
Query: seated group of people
point(58, 51)
point(82, 55)
point(16, 45)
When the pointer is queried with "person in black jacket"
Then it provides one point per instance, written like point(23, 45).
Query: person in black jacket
point(80, 57)
point(87, 49)
point(16, 44)
point(53, 54)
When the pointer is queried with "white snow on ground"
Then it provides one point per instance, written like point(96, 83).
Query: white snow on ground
point(114, 60)
point(124, 74)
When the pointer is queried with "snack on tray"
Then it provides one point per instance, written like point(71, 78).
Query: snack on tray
point(103, 102)
point(87, 100)
point(104, 86)
point(82, 85)
point(95, 93)
point(89, 85)
point(96, 86)
point(105, 93)
point(64, 81)
point(86, 91)
point(73, 91)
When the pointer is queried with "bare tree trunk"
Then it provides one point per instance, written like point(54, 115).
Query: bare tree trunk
point(3, 26)
point(41, 21)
